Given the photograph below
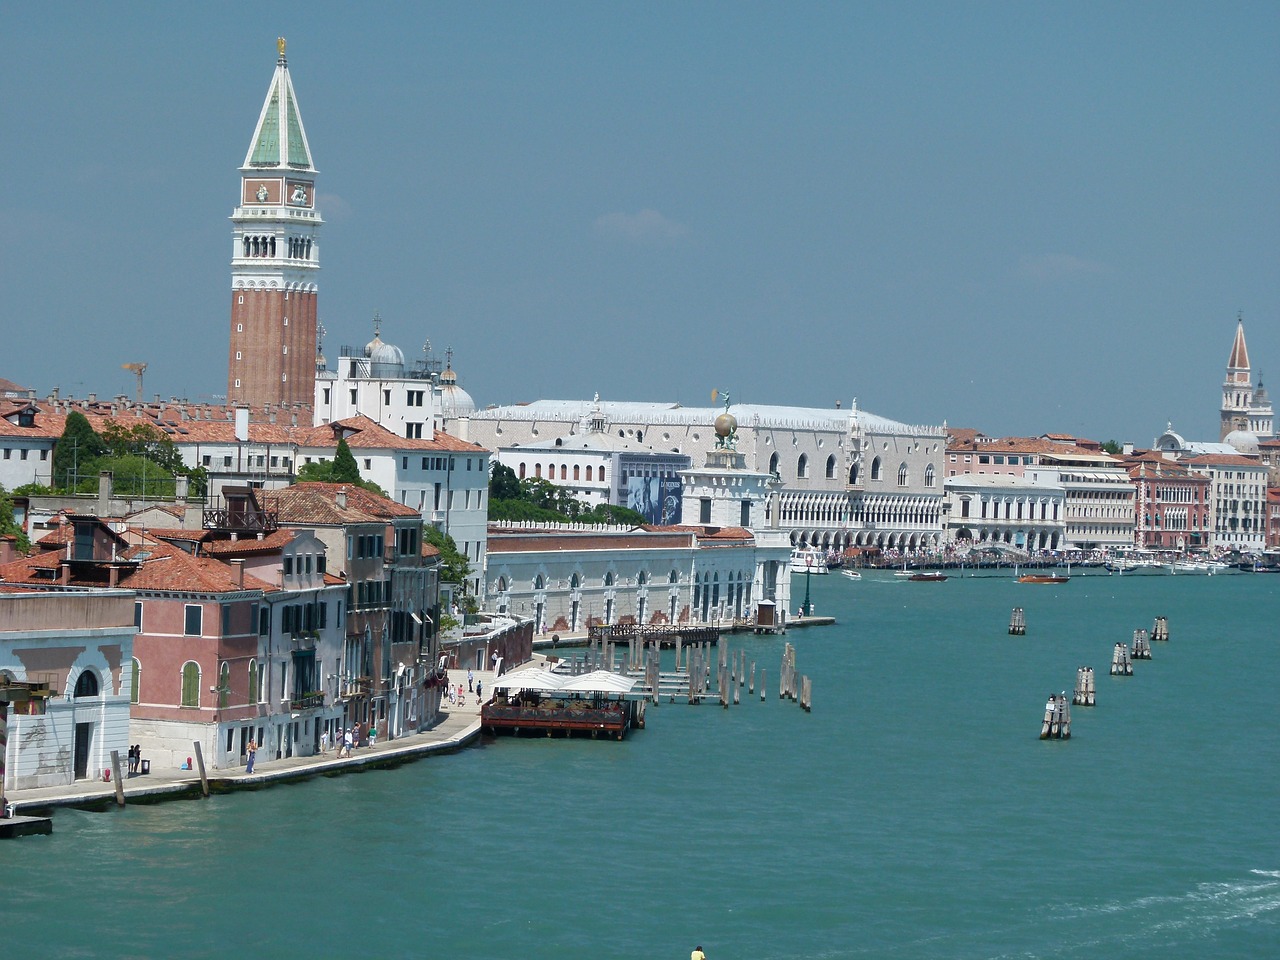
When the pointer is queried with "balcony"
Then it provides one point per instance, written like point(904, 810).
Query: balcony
point(307, 701)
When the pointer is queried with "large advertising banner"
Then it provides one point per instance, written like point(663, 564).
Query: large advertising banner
point(657, 499)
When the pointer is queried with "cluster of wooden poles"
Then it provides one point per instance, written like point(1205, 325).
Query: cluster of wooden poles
point(1057, 711)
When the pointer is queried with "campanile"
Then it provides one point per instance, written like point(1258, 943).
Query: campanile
point(275, 258)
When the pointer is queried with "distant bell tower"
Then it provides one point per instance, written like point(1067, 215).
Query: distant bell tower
point(1237, 388)
point(275, 258)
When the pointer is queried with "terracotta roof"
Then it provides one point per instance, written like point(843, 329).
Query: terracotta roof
point(362, 433)
point(1239, 352)
point(1224, 460)
point(273, 542)
point(317, 503)
point(158, 567)
point(962, 435)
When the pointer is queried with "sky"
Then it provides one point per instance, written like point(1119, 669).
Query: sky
point(1021, 217)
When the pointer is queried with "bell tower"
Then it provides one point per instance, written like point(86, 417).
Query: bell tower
point(275, 258)
point(1237, 388)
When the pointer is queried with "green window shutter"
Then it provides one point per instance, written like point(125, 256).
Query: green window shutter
point(191, 684)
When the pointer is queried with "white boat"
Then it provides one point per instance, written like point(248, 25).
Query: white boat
point(809, 560)
point(852, 574)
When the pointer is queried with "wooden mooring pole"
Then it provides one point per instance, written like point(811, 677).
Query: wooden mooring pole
point(115, 772)
point(204, 779)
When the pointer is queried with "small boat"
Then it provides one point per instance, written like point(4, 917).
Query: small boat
point(852, 574)
point(809, 560)
point(927, 576)
point(1043, 578)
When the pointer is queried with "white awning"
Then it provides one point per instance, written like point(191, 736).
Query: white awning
point(598, 681)
point(528, 679)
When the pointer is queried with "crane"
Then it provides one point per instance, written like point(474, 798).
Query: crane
point(137, 369)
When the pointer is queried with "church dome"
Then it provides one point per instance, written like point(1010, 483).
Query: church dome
point(1243, 441)
point(454, 401)
point(379, 352)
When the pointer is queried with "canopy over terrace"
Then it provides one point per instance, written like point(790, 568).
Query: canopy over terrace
point(531, 678)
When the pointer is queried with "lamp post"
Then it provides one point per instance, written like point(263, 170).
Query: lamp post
point(807, 609)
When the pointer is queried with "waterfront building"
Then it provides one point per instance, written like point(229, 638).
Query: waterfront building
point(598, 467)
point(1171, 503)
point(1273, 519)
point(1004, 510)
point(1237, 494)
point(75, 648)
point(849, 478)
point(1099, 497)
point(1244, 410)
point(275, 258)
point(390, 642)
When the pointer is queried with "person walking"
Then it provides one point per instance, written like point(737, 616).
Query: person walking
point(479, 684)
point(251, 751)
point(470, 680)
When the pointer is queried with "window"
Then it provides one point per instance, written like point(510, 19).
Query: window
point(237, 354)
point(773, 464)
point(745, 520)
point(802, 466)
point(353, 394)
point(928, 475)
point(875, 469)
point(137, 615)
point(704, 510)
point(902, 475)
point(226, 461)
point(831, 467)
point(135, 676)
point(226, 619)
point(602, 474)
point(190, 684)
point(194, 620)
point(288, 566)
point(224, 685)
point(86, 685)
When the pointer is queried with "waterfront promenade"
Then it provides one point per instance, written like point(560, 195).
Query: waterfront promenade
point(456, 727)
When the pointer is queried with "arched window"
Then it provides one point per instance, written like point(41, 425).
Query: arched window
point(902, 475)
point(831, 467)
point(135, 680)
point(190, 684)
point(576, 469)
point(642, 578)
point(928, 475)
point(608, 579)
point(537, 470)
point(564, 471)
point(853, 474)
point(875, 469)
point(86, 684)
point(588, 472)
point(539, 582)
point(521, 471)
point(253, 681)
point(575, 582)
point(674, 577)
point(224, 685)
point(773, 463)
point(502, 584)
point(601, 474)
point(802, 465)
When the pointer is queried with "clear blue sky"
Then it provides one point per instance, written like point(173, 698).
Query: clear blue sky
point(1020, 217)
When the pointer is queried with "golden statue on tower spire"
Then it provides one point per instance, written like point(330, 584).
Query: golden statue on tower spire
point(280, 46)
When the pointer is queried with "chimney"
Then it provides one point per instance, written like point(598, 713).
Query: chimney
point(104, 493)
point(181, 487)
point(341, 498)
point(238, 564)
point(242, 423)
point(1127, 449)
point(113, 576)
point(65, 573)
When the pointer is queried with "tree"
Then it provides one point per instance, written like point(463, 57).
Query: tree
point(9, 524)
point(454, 567)
point(324, 471)
point(1112, 447)
point(503, 485)
point(345, 469)
point(74, 452)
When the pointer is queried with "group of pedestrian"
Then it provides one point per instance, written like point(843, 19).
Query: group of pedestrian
point(251, 754)
point(347, 742)
point(135, 758)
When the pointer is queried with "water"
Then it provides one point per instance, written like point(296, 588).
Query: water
point(915, 813)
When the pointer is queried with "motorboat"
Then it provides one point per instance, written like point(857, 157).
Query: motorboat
point(1043, 578)
point(852, 574)
point(927, 576)
point(809, 560)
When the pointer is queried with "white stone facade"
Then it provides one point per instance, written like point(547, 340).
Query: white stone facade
point(1006, 510)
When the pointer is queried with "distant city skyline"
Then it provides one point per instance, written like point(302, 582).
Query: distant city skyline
point(1020, 218)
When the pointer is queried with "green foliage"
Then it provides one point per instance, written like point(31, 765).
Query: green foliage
point(9, 525)
point(454, 567)
point(1112, 447)
point(32, 490)
point(537, 500)
point(143, 461)
point(75, 450)
point(345, 469)
point(325, 471)
point(503, 484)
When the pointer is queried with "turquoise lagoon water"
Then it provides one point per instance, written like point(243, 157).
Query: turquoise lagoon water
point(913, 813)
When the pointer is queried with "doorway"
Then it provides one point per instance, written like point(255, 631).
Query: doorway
point(84, 739)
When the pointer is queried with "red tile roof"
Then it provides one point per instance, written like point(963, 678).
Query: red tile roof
point(317, 503)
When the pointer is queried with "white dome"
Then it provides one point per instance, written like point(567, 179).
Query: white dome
point(455, 402)
point(1244, 441)
point(379, 352)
